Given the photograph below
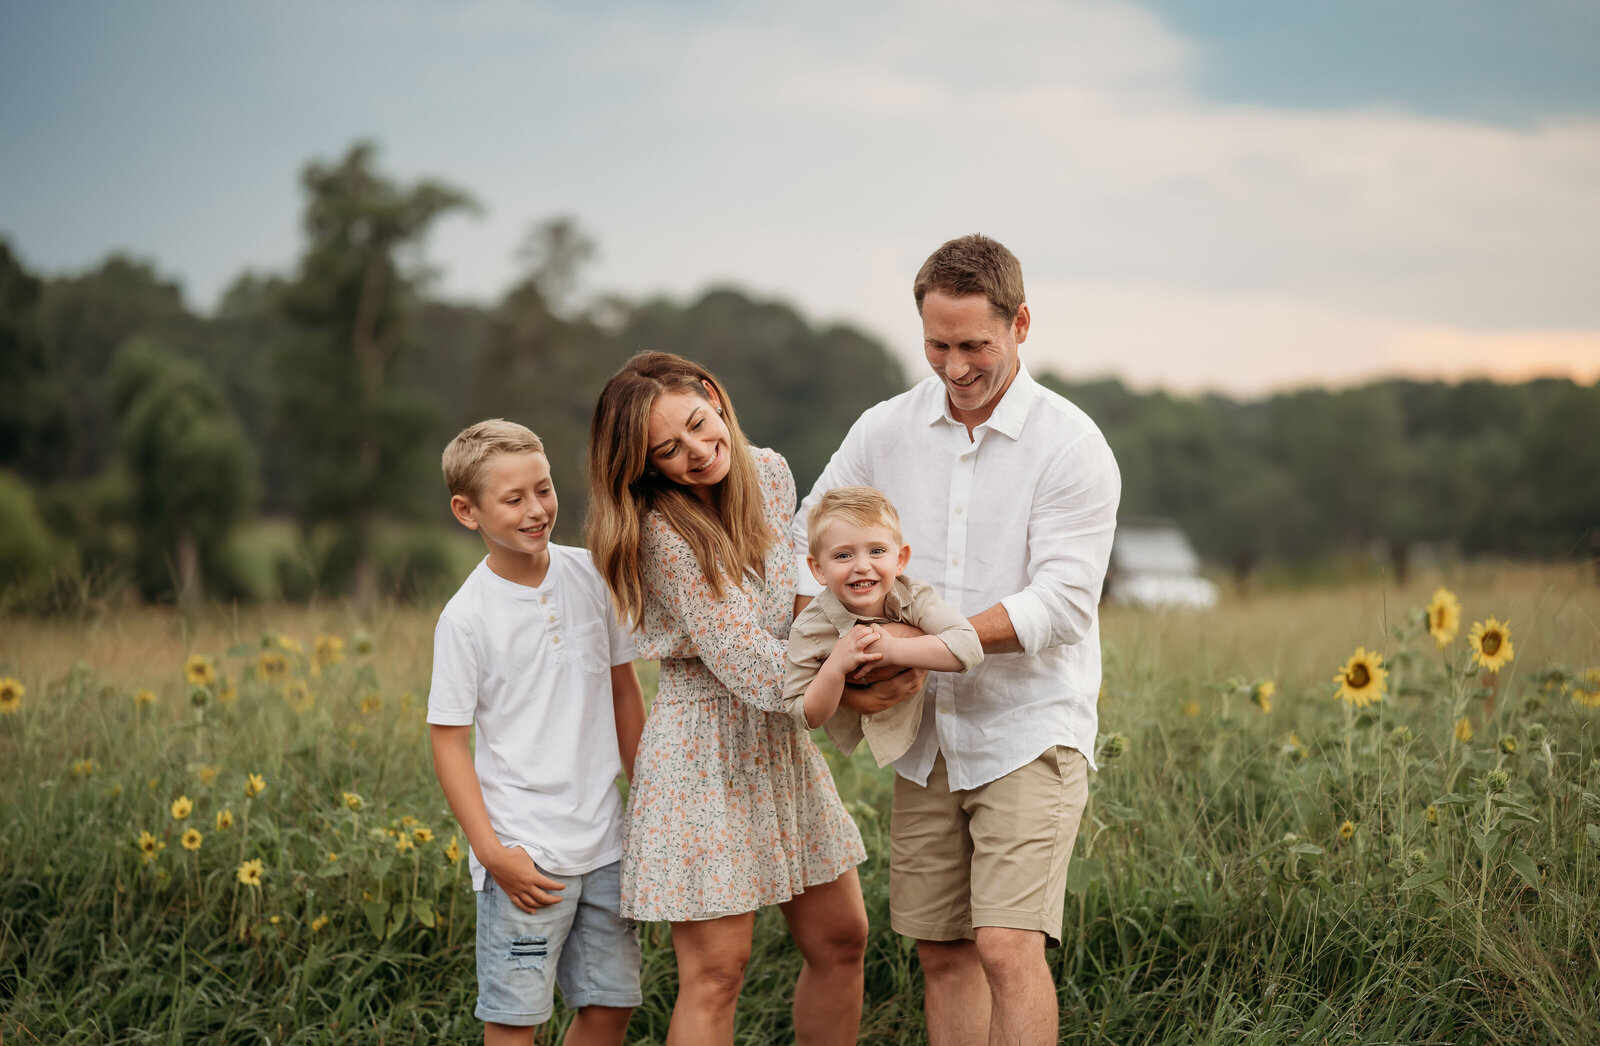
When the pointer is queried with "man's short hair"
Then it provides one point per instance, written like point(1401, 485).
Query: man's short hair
point(969, 265)
point(859, 506)
point(467, 456)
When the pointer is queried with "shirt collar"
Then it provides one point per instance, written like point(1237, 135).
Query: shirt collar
point(1010, 413)
point(843, 620)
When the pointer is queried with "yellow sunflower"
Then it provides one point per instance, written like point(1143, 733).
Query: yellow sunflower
point(199, 670)
point(1587, 691)
point(254, 785)
point(271, 665)
point(191, 839)
point(352, 800)
point(1347, 830)
point(224, 820)
point(422, 835)
point(1491, 644)
point(148, 845)
point(144, 698)
point(1431, 814)
point(329, 650)
point(404, 844)
point(207, 775)
point(1463, 729)
point(1444, 616)
point(11, 693)
point(1190, 709)
point(452, 852)
point(1261, 695)
point(370, 704)
point(250, 872)
point(182, 807)
point(1362, 678)
point(290, 644)
point(84, 767)
point(228, 694)
point(319, 923)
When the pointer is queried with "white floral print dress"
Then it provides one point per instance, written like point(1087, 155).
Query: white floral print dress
point(732, 806)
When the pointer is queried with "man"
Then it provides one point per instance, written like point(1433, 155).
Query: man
point(1008, 495)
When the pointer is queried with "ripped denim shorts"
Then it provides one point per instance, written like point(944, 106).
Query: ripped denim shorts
point(583, 944)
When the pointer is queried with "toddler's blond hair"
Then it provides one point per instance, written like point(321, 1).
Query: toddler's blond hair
point(859, 506)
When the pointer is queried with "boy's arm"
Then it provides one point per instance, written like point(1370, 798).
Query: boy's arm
point(928, 652)
point(511, 867)
point(627, 702)
point(854, 649)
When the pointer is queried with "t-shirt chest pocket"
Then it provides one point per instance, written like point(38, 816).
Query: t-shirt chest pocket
point(589, 647)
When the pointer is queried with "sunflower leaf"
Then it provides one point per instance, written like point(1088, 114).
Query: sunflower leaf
point(1593, 832)
point(1454, 799)
point(375, 911)
point(1591, 802)
point(1524, 866)
point(1082, 872)
point(423, 911)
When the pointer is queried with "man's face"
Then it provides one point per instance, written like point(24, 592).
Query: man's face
point(973, 351)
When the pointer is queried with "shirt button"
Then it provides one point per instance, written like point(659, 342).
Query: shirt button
point(552, 619)
point(955, 561)
point(944, 710)
point(959, 510)
point(544, 599)
point(867, 718)
point(555, 639)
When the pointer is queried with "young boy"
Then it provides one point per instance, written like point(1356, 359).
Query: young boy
point(855, 549)
point(530, 651)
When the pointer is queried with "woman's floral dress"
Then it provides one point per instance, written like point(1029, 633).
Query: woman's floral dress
point(732, 806)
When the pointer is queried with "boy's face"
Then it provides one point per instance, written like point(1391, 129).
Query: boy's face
point(515, 506)
point(858, 564)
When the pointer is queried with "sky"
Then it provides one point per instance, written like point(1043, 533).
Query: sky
point(1227, 195)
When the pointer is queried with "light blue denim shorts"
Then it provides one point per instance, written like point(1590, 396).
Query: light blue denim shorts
point(584, 941)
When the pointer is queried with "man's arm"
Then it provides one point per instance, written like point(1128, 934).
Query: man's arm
point(1070, 526)
point(627, 703)
point(511, 867)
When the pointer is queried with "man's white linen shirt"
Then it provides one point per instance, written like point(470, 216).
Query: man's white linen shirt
point(1022, 514)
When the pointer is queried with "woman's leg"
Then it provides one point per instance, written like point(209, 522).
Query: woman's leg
point(711, 959)
point(829, 923)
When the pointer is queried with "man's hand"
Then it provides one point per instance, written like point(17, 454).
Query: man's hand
point(517, 875)
point(902, 684)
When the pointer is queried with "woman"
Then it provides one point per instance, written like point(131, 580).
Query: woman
point(732, 806)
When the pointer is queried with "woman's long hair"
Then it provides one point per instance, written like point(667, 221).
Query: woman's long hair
point(623, 487)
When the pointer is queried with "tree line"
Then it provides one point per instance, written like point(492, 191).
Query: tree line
point(141, 442)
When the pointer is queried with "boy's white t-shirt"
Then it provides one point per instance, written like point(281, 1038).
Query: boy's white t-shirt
point(531, 667)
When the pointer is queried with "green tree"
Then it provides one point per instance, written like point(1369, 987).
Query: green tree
point(357, 429)
point(188, 462)
point(34, 434)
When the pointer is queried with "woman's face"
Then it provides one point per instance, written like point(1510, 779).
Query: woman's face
point(688, 442)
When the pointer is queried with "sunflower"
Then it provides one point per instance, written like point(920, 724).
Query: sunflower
point(11, 692)
point(403, 844)
point(1362, 678)
point(290, 644)
point(272, 665)
point(228, 694)
point(352, 800)
point(182, 807)
point(250, 872)
point(329, 650)
point(149, 845)
point(452, 852)
point(207, 775)
point(363, 643)
point(1431, 814)
point(1347, 830)
point(254, 785)
point(319, 924)
point(1463, 729)
point(1508, 744)
point(84, 767)
point(370, 704)
point(1444, 616)
point(1261, 695)
point(1190, 709)
point(422, 835)
point(199, 670)
point(143, 698)
point(1587, 691)
point(224, 820)
point(191, 839)
point(1491, 644)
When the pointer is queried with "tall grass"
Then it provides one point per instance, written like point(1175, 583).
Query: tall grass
point(1214, 897)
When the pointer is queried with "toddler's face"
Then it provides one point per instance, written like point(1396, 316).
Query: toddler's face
point(858, 564)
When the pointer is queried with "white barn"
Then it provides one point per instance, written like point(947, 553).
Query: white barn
point(1153, 564)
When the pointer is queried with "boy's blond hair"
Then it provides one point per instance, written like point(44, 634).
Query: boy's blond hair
point(467, 456)
point(859, 506)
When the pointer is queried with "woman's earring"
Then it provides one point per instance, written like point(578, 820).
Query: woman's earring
point(719, 412)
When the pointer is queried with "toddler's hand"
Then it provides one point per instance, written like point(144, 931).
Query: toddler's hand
point(855, 648)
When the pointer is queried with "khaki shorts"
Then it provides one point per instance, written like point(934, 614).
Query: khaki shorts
point(995, 855)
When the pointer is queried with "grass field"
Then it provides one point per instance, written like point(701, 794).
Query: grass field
point(1312, 873)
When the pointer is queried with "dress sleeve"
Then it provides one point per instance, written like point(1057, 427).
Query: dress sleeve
point(726, 634)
